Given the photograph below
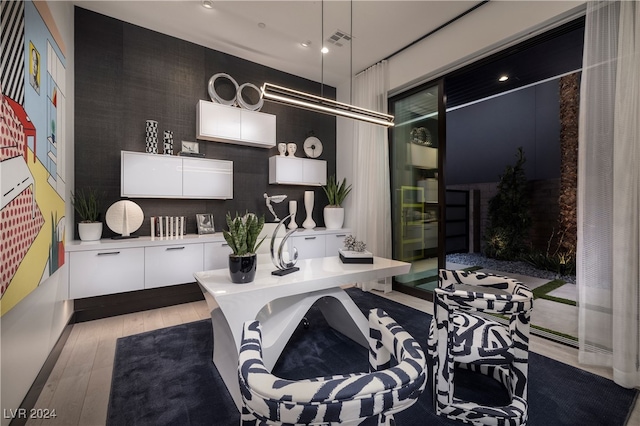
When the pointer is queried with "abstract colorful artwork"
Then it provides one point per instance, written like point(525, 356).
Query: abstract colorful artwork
point(32, 150)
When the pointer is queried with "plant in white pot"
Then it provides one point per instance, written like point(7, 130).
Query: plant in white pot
point(242, 237)
point(86, 202)
point(336, 193)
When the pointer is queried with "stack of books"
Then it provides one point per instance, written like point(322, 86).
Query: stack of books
point(350, 256)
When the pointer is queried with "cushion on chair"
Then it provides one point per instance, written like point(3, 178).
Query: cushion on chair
point(336, 399)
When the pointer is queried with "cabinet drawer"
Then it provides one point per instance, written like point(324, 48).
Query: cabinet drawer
point(216, 255)
point(309, 246)
point(170, 265)
point(99, 272)
point(334, 242)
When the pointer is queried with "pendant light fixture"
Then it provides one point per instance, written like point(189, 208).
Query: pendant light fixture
point(291, 97)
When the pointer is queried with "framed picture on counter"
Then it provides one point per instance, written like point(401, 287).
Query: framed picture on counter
point(205, 223)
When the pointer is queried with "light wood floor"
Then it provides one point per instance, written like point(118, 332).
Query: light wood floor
point(79, 385)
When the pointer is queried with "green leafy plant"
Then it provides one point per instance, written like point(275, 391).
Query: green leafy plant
point(509, 217)
point(562, 260)
point(87, 202)
point(336, 193)
point(243, 233)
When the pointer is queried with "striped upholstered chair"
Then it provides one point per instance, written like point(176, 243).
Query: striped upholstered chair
point(344, 399)
point(459, 337)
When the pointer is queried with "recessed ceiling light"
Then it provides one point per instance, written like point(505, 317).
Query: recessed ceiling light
point(503, 78)
point(207, 4)
point(306, 43)
point(324, 50)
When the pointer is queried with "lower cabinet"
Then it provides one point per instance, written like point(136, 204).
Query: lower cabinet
point(334, 242)
point(170, 265)
point(309, 246)
point(216, 255)
point(100, 272)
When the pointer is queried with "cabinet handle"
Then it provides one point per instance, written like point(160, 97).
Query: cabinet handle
point(175, 248)
point(108, 253)
point(341, 235)
point(309, 238)
point(225, 244)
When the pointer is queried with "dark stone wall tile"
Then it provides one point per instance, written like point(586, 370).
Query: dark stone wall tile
point(125, 75)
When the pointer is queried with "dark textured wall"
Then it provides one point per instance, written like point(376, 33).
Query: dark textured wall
point(125, 75)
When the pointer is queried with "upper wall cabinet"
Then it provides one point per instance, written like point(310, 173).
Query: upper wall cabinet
point(297, 171)
point(164, 176)
point(222, 123)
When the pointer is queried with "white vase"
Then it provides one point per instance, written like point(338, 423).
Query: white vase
point(333, 217)
point(308, 206)
point(293, 209)
point(90, 231)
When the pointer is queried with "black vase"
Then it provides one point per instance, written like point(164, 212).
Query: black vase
point(242, 268)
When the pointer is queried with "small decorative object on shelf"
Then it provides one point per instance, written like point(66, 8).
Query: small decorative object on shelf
point(151, 137)
point(292, 148)
point(274, 199)
point(124, 217)
point(242, 237)
point(334, 212)
point(205, 223)
point(168, 142)
point(282, 149)
point(308, 223)
point(168, 227)
point(293, 209)
point(191, 149)
point(284, 268)
point(354, 251)
point(87, 204)
point(312, 147)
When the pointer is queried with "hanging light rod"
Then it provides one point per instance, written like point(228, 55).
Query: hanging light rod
point(283, 95)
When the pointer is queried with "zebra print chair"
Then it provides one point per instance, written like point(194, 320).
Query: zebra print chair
point(349, 399)
point(458, 337)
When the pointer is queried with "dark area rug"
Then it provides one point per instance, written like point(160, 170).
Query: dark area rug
point(166, 377)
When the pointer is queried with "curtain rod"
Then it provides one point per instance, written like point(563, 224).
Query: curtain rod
point(418, 40)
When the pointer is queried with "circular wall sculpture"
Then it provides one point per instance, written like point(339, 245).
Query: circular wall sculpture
point(244, 99)
point(213, 92)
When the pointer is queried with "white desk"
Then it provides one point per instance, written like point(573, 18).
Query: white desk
point(280, 303)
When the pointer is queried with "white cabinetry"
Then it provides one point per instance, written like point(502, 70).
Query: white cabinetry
point(99, 272)
point(164, 176)
point(170, 265)
point(223, 123)
point(334, 242)
point(203, 178)
point(297, 171)
point(216, 255)
point(151, 175)
point(309, 246)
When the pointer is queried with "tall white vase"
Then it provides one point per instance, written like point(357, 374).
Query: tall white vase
point(293, 209)
point(308, 206)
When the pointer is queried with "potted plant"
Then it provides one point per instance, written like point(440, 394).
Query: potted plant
point(242, 237)
point(333, 212)
point(86, 203)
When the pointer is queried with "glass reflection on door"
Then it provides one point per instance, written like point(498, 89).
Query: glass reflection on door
point(415, 144)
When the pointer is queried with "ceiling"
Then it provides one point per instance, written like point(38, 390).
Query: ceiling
point(271, 32)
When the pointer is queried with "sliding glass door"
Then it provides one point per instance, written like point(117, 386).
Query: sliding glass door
point(416, 151)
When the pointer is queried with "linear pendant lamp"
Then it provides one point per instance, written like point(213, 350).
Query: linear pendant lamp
point(287, 96)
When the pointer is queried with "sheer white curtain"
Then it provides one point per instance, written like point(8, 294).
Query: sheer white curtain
point(371, 193)
point(608, 272)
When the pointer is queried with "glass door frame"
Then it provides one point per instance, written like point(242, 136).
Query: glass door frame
point(423, 294)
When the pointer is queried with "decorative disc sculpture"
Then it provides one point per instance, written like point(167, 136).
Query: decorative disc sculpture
point(284, 268)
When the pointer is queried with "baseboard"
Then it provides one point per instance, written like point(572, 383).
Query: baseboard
point(31, 398)
point(92, 308)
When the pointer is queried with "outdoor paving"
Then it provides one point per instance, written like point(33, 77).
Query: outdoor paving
point(547, 314)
